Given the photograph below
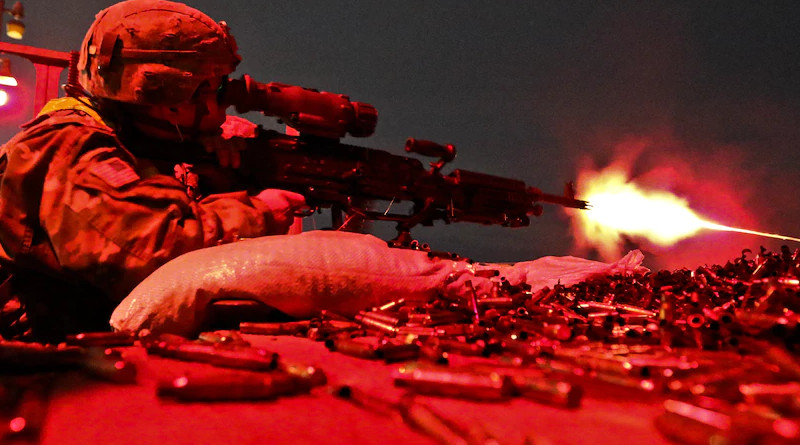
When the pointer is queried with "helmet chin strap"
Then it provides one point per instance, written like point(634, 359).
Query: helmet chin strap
point(169, 129)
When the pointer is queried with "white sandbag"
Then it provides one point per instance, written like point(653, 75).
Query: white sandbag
point(568, 270)
point(296, 274)
point(338, 271)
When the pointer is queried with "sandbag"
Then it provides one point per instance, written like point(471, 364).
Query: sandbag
point(297, 274)
point(338, 271)
point(567, 270)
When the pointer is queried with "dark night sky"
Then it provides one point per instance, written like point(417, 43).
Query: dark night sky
point(709, 91)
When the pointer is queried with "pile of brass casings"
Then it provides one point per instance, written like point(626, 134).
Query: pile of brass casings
point(719, 346)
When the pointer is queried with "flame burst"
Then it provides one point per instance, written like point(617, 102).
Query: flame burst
point(621, 208)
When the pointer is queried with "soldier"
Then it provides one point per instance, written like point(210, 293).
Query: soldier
point(96, 192)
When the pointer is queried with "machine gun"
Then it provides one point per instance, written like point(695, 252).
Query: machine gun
point(310, 160)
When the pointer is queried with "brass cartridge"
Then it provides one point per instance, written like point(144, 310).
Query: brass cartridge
point(442, 381)
point(233, 386)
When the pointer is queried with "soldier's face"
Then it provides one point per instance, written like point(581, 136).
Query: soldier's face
point(203, 114)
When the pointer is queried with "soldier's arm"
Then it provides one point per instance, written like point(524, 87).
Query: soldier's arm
point(112, 226)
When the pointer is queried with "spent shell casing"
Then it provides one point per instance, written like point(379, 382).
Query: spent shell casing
point(546, 319)
point(366, 400)
point(233, 386)
point(536, 309)
point(460, 329)
point(391, 353)
point(527, 350)
point(225, 337)
point(24, 356)
point(452, 346)
point(555, 331)
point(596, 306)
point(299, 328)
point(108, 364)
point(376, 325)
point(392, 318)
point(682, 429)
point(106, 339)
point(351, 347)
point(442, 381)
point(438, 318)
point(542, 295)
point(240, 358)
point(433, 354)
point(631, 309)
point(27, 419)
point(160, 344)
point(421, 418)
point(392, 304)
point(418, 331)
point(497, 303)
point(326, 315)
point(641, 385)
point(615, 365)
point(632, 318)
point(536, 384)
point(314, 375)
point(763, 392)
point(666, 311)
point(547, 390)
point(330, 329)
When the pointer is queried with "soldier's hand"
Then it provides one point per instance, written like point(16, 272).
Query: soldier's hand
point(282, 205)
point(228, 145)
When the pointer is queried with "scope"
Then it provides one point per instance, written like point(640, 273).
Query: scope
point(307, 110)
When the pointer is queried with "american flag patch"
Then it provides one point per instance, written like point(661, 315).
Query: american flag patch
point(114, 172)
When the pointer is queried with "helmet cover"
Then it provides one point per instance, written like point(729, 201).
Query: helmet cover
point(153, 52)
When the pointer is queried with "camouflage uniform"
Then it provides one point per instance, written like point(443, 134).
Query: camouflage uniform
point(82, 220)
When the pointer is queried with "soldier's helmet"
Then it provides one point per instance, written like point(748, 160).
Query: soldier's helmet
point(153, 52)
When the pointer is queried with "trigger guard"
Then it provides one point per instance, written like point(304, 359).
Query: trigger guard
point(305, 211)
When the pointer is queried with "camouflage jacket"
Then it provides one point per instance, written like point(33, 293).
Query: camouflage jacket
point(77, 207)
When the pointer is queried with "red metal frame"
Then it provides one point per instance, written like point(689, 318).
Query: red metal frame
point(48, 64)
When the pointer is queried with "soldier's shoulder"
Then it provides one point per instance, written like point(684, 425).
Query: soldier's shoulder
point(69, 112)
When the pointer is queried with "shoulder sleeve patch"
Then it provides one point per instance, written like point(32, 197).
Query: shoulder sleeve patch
point(114, 172)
